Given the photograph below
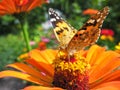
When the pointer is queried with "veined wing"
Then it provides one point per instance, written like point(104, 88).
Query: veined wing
point(89, 33)
point(63, 31)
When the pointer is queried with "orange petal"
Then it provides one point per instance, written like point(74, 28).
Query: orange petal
point(93, 54)
point(41, 88)
point(3, 8)
point(115, 85)
point(43, 67)
point(8, 5)
point(24, 76)
point(2, 12)
point(17, 6)
point(32, 4)
point(36, 3)
point(113, 76)
point(46, 56)
point(11, 6)
point(31, 71)
point(49, 55)
point(106, 62)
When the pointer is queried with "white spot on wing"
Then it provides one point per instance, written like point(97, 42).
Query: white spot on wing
point(98, 20)
point(91, 21)
point(52, 19)
point(57, 17)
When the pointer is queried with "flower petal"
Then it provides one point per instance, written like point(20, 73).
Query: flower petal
point(41, 88)
point(17, 6)
point(93, 54)
point(8, 6)
point(114, 76)
point(43, 67)
point(106, 62)
point(46, 56)
point(36, 3)
point(31, 71)
point(24, 76)
point(115, 85)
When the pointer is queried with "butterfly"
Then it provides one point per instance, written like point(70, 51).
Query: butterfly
point(72, 40)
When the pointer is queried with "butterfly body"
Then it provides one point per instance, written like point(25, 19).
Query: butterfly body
point(72, 40)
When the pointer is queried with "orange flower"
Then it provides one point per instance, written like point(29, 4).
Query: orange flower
point(90, 11)
point(101, 68)
point(17, 6)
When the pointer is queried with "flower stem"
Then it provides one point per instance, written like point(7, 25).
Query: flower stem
point(26, 34)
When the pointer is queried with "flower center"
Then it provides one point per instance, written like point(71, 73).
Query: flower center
point(71, 72)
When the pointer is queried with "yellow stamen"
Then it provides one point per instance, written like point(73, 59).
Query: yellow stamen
point(71, 71)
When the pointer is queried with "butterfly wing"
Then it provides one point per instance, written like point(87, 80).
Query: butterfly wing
point(63, 31)
point(89, 33)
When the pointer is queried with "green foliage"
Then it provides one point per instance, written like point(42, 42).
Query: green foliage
point(110, 45)
point(8, 24)
point(11, 47)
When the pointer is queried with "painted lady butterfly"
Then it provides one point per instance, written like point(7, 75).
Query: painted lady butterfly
point(72, 40)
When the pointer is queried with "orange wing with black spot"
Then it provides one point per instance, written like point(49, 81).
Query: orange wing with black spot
point(64, 32)
point(89, 33)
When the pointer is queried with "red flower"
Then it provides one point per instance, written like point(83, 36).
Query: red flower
point(107, 32)
point(17, 6)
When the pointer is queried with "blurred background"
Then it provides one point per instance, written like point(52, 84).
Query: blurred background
point(76, 12)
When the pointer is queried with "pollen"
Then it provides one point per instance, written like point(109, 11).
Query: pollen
point(71, 72)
